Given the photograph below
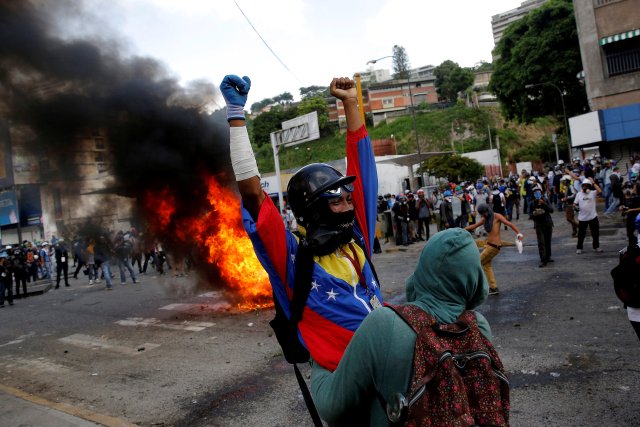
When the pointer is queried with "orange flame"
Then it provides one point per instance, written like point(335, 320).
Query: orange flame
point(228, 247)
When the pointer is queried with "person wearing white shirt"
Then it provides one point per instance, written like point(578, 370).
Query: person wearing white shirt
point(585, 202)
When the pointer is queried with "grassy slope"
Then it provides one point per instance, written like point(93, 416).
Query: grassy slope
point(518, 142)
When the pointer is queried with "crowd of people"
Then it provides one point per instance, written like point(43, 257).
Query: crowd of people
point(93, 258)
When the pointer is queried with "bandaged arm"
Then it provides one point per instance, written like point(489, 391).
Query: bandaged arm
point(244, 166)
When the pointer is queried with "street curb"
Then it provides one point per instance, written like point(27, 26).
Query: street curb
point(82, 413)
point(40, 288)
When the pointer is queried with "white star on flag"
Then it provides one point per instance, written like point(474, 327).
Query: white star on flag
point(373, 283)
point(332, 295)
point(315, 286)
point(293, 258)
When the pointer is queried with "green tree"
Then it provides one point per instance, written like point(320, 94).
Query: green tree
point(257, 106)
point(483, 66)
point(455, 168)
point(283, 98)
point(540, 49)
point(452, 79)
point(270, 121)
point(400, 63)
point(309, 91)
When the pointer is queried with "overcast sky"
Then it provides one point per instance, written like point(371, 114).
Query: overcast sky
point(315, 39)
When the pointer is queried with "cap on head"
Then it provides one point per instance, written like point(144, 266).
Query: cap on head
point(447, 193)
point(312, 183)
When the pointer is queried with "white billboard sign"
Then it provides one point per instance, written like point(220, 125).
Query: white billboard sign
point(585, 129)
point(297, 130)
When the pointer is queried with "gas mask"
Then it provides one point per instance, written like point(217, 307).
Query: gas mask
point(331, 231)
point(586, 190)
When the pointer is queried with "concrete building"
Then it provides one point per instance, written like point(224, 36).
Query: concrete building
point(53, 199)
point(501, 21)
point(609, 34)
point(394, 98)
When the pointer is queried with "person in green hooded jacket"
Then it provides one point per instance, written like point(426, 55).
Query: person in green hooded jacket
point(379, 359)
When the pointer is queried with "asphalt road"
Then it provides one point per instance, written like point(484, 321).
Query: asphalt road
point(166, 352)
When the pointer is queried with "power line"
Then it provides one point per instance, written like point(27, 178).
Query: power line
point(265, 42)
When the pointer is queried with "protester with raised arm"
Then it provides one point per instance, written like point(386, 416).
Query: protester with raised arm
point(336, 219)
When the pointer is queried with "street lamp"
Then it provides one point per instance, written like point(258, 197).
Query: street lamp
point(564, 111)
point(413, 113)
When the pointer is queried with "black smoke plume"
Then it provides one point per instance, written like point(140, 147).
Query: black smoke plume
point(157, 131)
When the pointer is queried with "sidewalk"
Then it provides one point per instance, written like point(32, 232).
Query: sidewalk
point(24, 413)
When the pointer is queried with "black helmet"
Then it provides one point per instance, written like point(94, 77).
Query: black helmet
point(309, 183)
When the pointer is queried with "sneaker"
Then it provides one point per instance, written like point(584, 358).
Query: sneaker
point(542, 264)
point(493, 291)
point(91, 282)
point(579, 251)
point(10, 303)
point(123, 283)
point(109, 288)
point(598, 249)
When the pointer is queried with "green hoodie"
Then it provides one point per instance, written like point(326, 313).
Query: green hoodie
point(379, 359)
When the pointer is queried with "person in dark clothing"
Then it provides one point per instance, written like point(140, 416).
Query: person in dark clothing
point(630, 210)
point(540, 212)
point(20, 270)
point(62, 263)
point(77, 250)
point(424, 207)
point(401, 210)
point(446, 211)
point(557, 178)
point(512, 195)
point(6, 283)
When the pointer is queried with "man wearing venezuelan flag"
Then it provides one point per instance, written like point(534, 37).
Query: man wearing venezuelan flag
point(336, 217)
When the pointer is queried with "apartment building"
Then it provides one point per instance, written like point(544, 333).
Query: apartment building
point(51, 197)
point(392, 98)
point(609, 34)
point(501, 21)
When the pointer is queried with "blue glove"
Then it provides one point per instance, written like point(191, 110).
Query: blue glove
point(235, 90)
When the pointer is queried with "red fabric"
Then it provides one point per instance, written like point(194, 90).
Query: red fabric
point(325, 340)
point(272, 234)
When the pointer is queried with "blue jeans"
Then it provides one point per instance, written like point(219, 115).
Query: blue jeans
point(613, 206)
point(606, 193)
point(106, 272)
point(126, 263)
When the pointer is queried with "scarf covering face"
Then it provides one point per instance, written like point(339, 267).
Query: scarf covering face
point(449, 277)
point(488, 220)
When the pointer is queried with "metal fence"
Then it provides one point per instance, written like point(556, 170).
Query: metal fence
point(623, 62)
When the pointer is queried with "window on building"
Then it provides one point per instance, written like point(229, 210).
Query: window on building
point(99, 157)
point(99, 142)
point(623, 56)
point(387, 102)
point(102, 167)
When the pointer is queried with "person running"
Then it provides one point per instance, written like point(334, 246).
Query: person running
point(492, 222)
point(336, 217)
